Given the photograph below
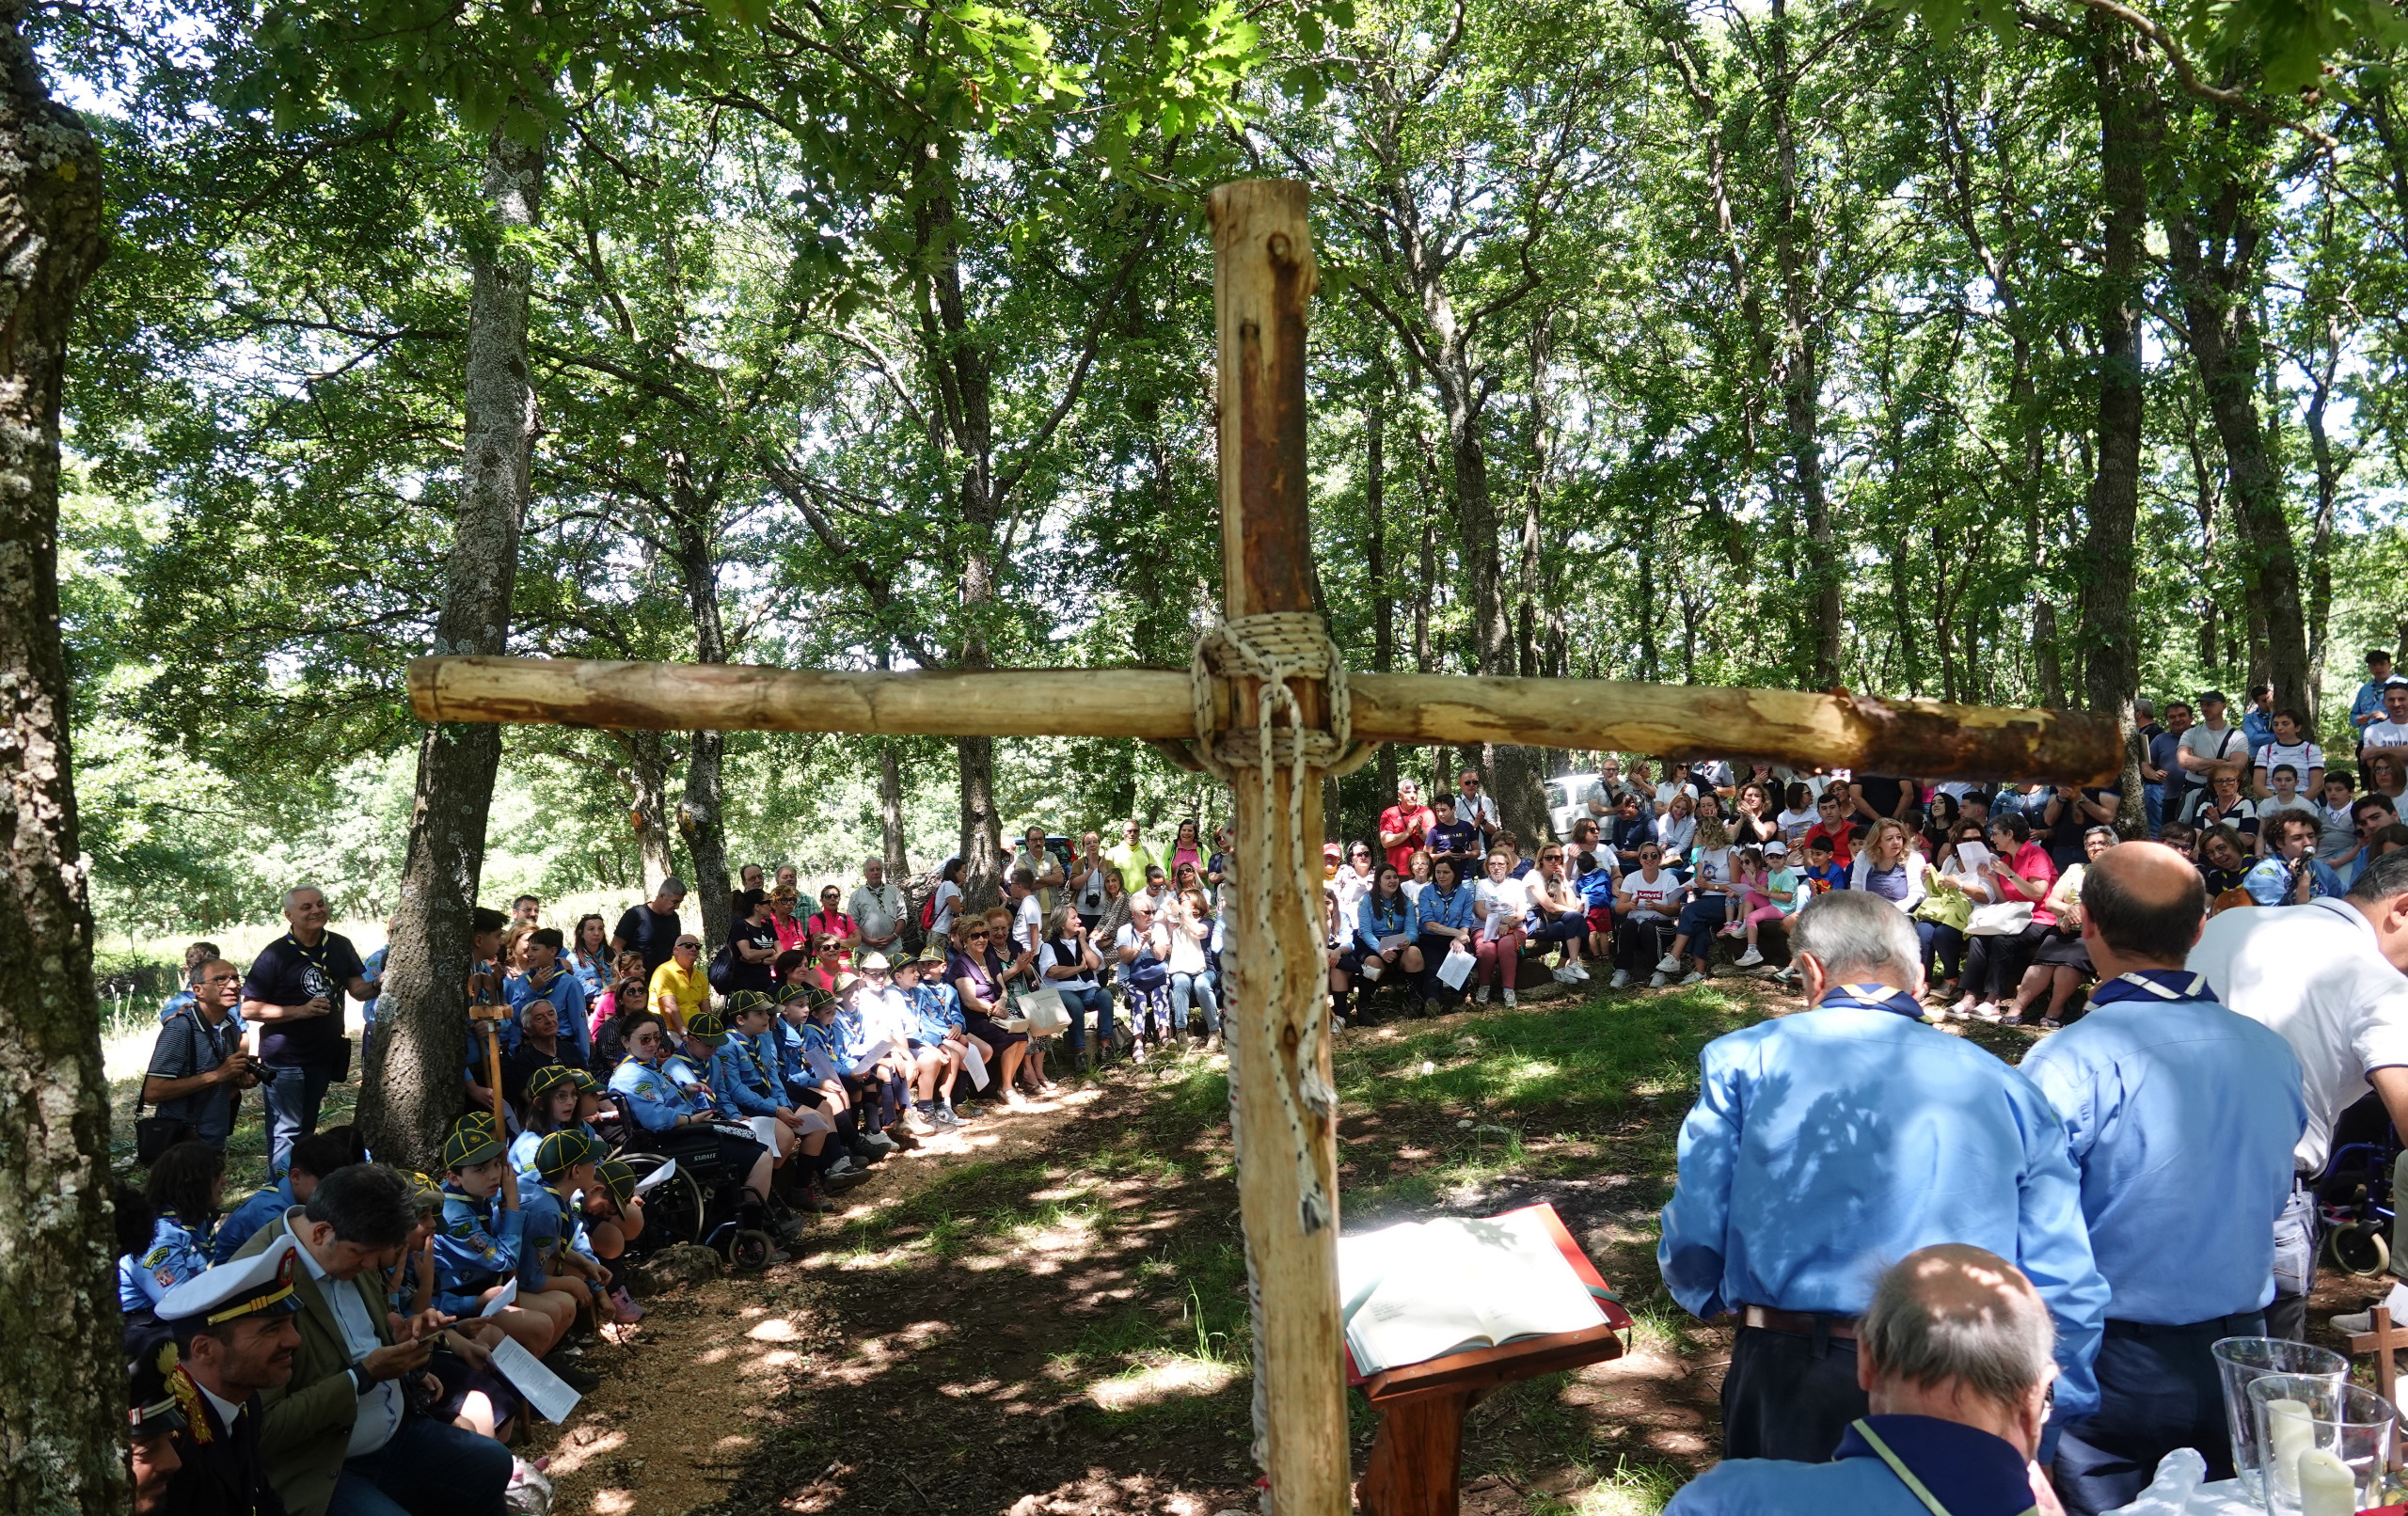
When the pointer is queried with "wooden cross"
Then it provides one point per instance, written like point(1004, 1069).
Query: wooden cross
point(1284, 1113)
point(2380, 1342)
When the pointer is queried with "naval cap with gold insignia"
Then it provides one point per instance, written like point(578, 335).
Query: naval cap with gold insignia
point(156, 1386)
point(259, 1285)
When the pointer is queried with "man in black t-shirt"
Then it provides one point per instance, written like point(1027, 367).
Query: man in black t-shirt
point(294, 996)
point(1875, 797)
point(752, 946)
point(198, 1063)
point(651, 930)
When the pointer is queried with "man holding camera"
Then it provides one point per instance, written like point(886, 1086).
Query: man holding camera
point(197, 1064)
point(295, 993)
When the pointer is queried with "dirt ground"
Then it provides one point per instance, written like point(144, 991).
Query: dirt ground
point(1043, 1314)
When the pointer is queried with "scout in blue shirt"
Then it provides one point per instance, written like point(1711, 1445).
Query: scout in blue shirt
point(1824, 1142)
point(663, 1096)
point(184, 1187)
point(1941, 1436)
point(480, 1248)
point(2182, 1116)
point(2290, 874)
point(313, 1158)
point(2365, 707)
point(555, 1229)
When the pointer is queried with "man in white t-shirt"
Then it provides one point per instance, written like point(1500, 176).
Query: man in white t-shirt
point(2328, 976)
point(1028, 916)
point(1475, 805)
point(2214, 746)
point(2390, 734)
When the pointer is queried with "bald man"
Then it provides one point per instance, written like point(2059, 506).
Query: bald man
point(1956, 1355)
point(2182, 1115)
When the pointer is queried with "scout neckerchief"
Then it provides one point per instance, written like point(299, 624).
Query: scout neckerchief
point(2153, 983)
point(1871, 998)
point(1952, 1469)
point(316, 958)
point(1390, 922)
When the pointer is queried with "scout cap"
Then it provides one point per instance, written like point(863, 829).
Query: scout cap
point(586, 1084)
point(468, 1146)
point(260, 1285)
point(743, 1002)
point(932, 954)
point(543, 1082)
point(618, 1178)
point(564, 1150)
point(707, 1024)
point(874, 963)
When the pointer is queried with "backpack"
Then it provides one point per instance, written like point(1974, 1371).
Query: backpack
point(929, 912)
point(721, 972)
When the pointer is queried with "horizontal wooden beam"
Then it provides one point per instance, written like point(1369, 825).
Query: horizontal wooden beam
point(1923, 740)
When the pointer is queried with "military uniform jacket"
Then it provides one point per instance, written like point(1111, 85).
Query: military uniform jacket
point(222, 1474)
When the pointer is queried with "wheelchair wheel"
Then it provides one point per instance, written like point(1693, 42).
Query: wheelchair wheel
point(749, 1250)
point(2359, 1250)
point(673, 1209)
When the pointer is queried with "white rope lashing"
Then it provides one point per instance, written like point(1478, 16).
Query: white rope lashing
point(1271, 649)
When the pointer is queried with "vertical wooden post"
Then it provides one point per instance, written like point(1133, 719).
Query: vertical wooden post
point(1262, 279)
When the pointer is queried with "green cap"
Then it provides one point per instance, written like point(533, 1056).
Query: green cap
point(618, 1178)
point(543, 1082)
point(564, 1150)
point(467, 1146)
point(742, 1001)
point(932, 954)
point(707, 1024)
point(425, 1194)
point(474, 1121)
point(585, 1081)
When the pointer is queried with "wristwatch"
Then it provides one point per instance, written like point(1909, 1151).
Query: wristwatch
point(360, 1382)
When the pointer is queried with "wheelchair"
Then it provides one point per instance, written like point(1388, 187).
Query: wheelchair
point(2354, 1202)
point(700, 1201)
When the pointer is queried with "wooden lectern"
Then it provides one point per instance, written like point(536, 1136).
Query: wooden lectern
point(1417, 1460)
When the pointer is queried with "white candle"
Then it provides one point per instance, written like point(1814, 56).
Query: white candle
point(2289, 1433)
point(2326, 1487)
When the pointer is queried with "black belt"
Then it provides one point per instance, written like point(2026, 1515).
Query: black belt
point(1800, 1323)
point(2244, 1324)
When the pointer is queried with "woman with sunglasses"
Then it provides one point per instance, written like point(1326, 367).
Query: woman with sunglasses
point(831, 920)
point(976, 973)
point(664, 1094)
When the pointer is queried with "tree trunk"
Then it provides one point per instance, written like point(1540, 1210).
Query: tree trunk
point(1375, 559)
point(647, 776)
point(410, 1087)
point(701, 817)
point(2328, 496)
point(890, 815)
point(2216, 247)
point(1798, 369)
point(62, 1378)
point(2110, 655)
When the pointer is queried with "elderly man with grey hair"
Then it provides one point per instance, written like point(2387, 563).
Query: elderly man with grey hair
point(1823, 1144)
point(1955, 1364)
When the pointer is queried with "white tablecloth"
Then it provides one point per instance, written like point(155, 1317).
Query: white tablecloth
point(2181, 1489)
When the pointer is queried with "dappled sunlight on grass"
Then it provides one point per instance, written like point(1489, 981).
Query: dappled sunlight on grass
point(1174, 1378)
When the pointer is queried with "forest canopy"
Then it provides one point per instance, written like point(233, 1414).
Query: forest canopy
point(2042, 354)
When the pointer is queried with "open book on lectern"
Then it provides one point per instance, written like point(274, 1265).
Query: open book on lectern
point(1425, 1289)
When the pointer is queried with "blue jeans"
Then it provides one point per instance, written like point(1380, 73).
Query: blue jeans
point(430, 1468)
point(2153, 805)
point(1943, 947)
point(1198, 988)
point(1082, 1004)
point(294, 1093)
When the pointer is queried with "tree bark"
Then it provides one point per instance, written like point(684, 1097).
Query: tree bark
point(1797, 367)
point(702, 815)
point(1376, 560)
point(2216, 243)
point(410, 1087)
point(2126, 130)
point(2328, 497)
point(62, 1379)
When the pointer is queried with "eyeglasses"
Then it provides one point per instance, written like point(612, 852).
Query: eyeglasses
point(974, 937)
point(684, 947)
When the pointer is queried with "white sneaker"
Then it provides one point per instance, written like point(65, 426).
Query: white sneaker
point(1668, 964)
point(1579, 974)
point(1620, 980)
point(1658, 980)
point(1749, 958)
point(1509, 997)
point(1565, 976)
point(1479, 996)
point(1693, 977)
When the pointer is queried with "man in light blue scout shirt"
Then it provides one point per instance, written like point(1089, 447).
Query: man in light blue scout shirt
point(2182, 1116)
point(1956, 1372)
point(1823, 1146)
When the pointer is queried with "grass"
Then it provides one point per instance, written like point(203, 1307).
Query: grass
point(1123, 1237)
